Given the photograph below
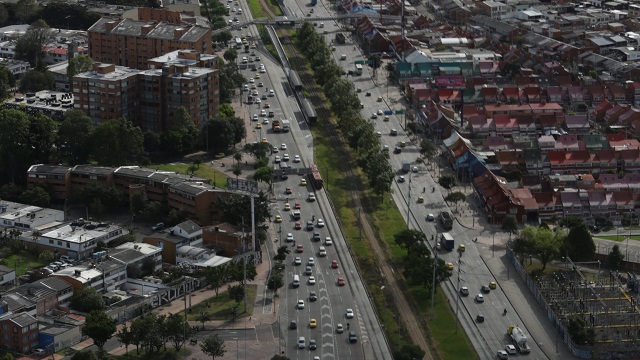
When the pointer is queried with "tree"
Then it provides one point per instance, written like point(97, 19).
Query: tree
point(264, 173)
point(509, 225)
point(7, 79)
point(230, 80)
point(258, 150)
point(29, 47)
point(230, 55)
point(125, 336)
point(46, 257)
point(282, 253)
point(409, 352)
point(4, 14)
point(100, 327)
point(239, 129)
point(203, 317)
point(447, 181)
point(427, 148)
point(579, 244)
point(87, 300)
point(279, 357)
point(36, 80)
point(26, 10)
point(379, 173)
point(73, 137)
point(226, 111)
point(220, 133)
point(109, 198)
point(410, 239)
point(541, 241)
point(182, 131)
point(615, 258)
point(236, 292)
point(84, 355)
point(237, 171)
point(276, 281)
point(115, 142)
point(454, 197)
point(213, 345)
point(216, 276)
point(14, 144)
point(42, 134)
point(178, 330)
point(36, 196)
point(79, 64)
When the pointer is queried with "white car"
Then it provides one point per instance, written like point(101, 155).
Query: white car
point(301, 342)
point(379, 134)
point(289, 236)
point(479, 298)
point(430, 217)
point(327, 241)
point(276, 160)
point(297, 260)
point(265, 121)
point(502, 354)
point(285, 157)
point(349, 314)
point(263, 113)
point(260, 85)
point(296, 159)
point(311, 280)
point(312, 197)
point(311, 262)
point(271, 93)
point(339, 329)
point(251, 80)
point(258, 101)
point(255, 117)
point(300, 304)
point(275, 149)
point(374, 116)
point(320, 223)
point(380, 112)
point(262, 70)
point(283, 146)
point(510, 349)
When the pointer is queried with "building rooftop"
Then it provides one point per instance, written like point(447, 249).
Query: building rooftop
point(158, 30)
point(48, 169)
point(192, 188)
point(143, 248)
point(25, 214)
point(164, 176)
point(189, 226)
point(54, 329)
point(80, 273)
point(54, 283)
point(119, 73)
point(125, 255)
point(174, 57)
point(92, 170)
point(23, 320)
point(81, 234)
point(5, 270)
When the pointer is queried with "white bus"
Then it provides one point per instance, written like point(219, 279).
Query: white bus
point(358, 69)
point(238, 43)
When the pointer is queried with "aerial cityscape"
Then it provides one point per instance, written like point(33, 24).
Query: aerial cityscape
point(346, 179)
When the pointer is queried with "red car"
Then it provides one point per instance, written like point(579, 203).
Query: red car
point(297, 206)
point(266, 106)
point(297, 225)
point(341, 281)
point(300, 249)
point(288, 191)
point(334, 264)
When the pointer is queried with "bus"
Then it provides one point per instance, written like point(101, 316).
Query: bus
point(316, 179)
point(358, 69)
point(238, 43)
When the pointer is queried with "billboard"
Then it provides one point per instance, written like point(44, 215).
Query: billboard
point(450, 81)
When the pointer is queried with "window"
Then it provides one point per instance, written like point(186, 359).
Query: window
point(5, 327)
point(50, 241)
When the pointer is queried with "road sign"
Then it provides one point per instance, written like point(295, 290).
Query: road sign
point(242, 185)
point(399, 112)
point(361, 62)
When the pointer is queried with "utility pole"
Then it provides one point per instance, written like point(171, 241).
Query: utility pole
point(458, 288)
point(433, 283)
point(244, 262)
point(409, 204)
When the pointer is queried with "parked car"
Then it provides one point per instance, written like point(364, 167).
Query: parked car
point(158, 226)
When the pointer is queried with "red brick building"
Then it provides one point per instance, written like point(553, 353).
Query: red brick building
point(18, 332)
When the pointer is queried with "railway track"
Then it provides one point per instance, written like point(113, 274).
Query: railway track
point(410, 322)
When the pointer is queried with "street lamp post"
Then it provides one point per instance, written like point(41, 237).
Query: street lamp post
point(458, 288)
point(433, 282)
point(409, 205)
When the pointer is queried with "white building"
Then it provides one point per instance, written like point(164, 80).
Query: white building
point(7, 276)
point(27, 217)
point(188, 230)
point(78, 242)
point(136, 253)
point(106, 275)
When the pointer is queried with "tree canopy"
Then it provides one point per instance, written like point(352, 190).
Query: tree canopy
point(100, 327)
point(579, 244)
point(87, 300)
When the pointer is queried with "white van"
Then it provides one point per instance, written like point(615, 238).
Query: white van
point(343, 57)
point(322, 252)
point(296, 281)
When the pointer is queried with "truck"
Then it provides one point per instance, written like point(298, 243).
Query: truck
point(340, 38)
point(275, 126)
point(286, 125)
point(406, 166)
point(518, 338)
point(446, 241)
point(446, 219)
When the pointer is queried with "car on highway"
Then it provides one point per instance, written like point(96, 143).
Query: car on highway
point(278, 218)
point(486, 289)
point(353, 338)
point(480, 318)
point(311, 261)
point(312, 197)
point(449, 266)
point(502, 354)
point(464, 291)
point(322, 251)
point(289, 237)
point(287, 207)
point(301, 342)
point(300, 304)
point(259, 126)
point(311, 280)
point(339, 329)
point(393, 132)
point(293, 325)
point(415, 169)
point(510, 349)
point(312, 344)
point(341, 282)
point(380, 112)
point(379, 98)
point(386, 119)
point(316, 236)
point(334, 264)
point(430, 217)
point(251, 80)
point(309, 225)
point(480, 298)
point(277, 159)
point(297, 260)
point(308, 270)
point(299, 248)
point(313, 296)
point(282, 146)
point(349, 314)
point(320, 223)
point(296, 159)
point(303, 182)
point(328, 241)
point(285, 157)
point(374, 116)
point(287, 191)
point(265, 121)
point(297, 225)
point(493, 285)
point(401, 179)
point(397, 150)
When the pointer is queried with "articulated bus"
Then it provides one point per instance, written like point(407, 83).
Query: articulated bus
point(238, 43)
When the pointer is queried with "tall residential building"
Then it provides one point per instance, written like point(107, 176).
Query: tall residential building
point(131, 43)
point(151, 97)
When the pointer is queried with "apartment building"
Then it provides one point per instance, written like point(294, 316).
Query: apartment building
point(27, 217)
point(83, 175)
point(55, 178)
point(131, 43)
point(77, 240)
point(149, 98)
point(18, 332)
point(106, 274)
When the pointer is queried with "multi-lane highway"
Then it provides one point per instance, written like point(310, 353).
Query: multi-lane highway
point(330, 307)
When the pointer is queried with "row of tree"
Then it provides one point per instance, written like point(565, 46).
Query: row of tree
point(359, 133)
